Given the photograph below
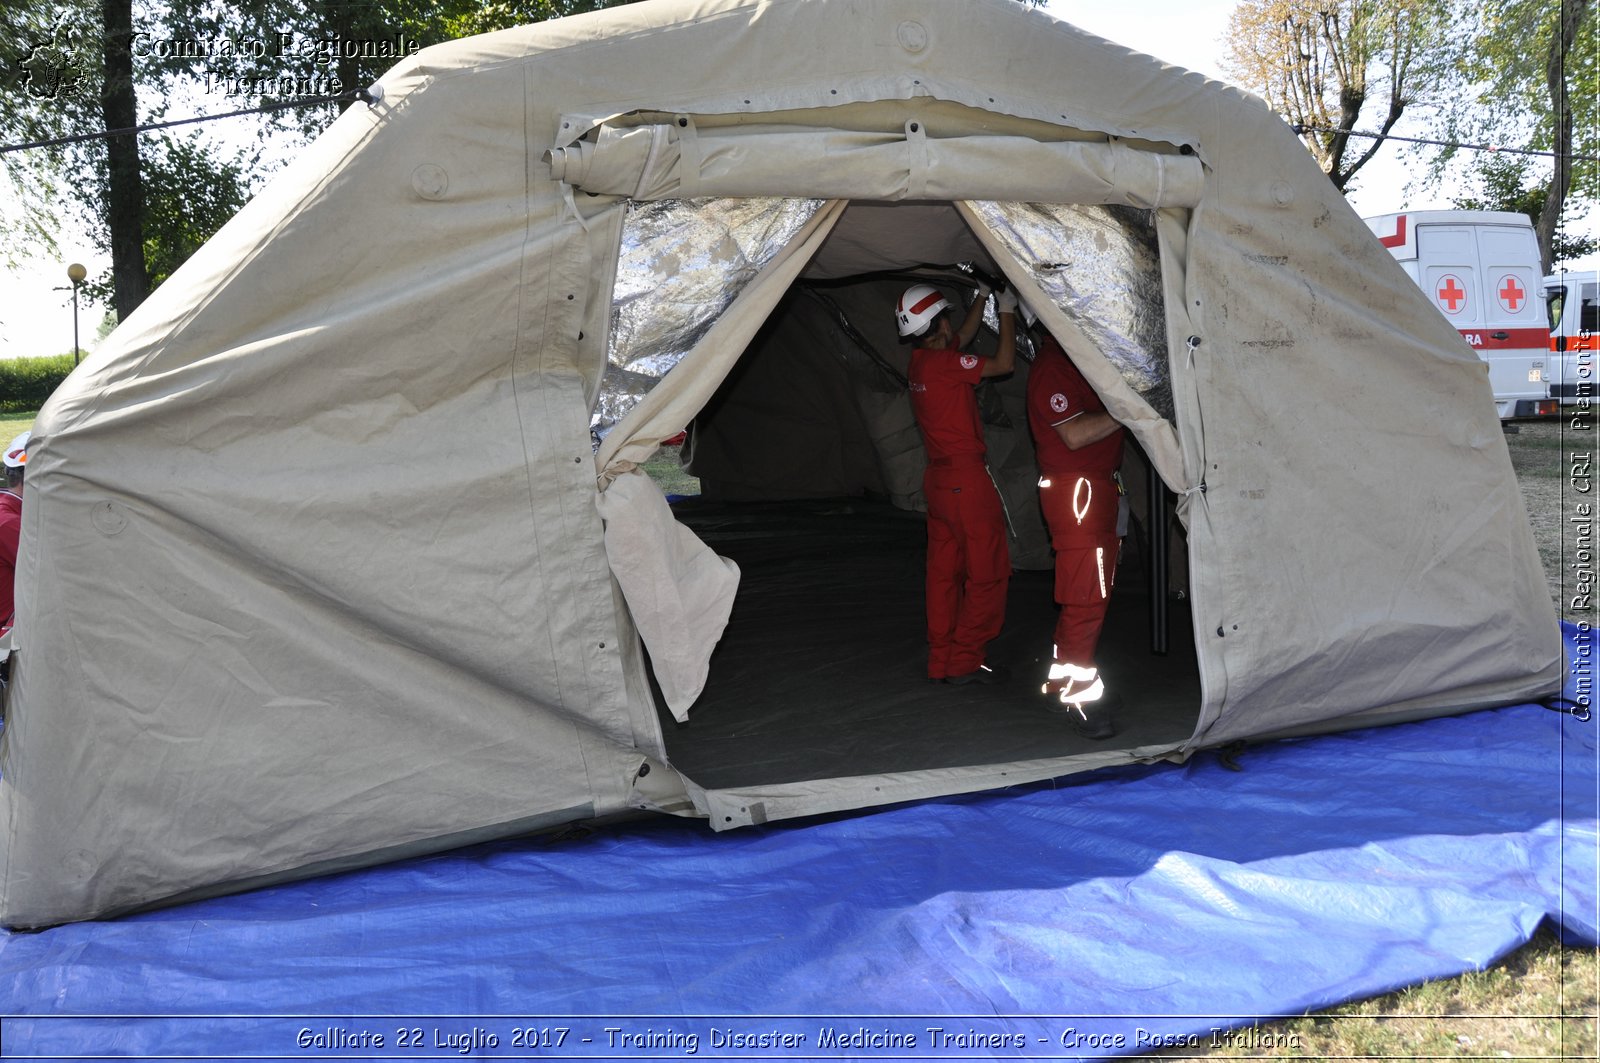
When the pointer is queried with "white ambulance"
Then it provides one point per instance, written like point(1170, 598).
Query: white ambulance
point(1573, 302)
point(1482, 270)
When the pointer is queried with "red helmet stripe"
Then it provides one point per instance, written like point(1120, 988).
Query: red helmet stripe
point(927, 301)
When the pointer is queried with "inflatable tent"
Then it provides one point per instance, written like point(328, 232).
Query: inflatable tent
point(323, 568)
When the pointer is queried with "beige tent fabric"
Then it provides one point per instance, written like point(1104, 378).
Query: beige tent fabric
point(680, 162)
point(679, 591)
point(314, 574)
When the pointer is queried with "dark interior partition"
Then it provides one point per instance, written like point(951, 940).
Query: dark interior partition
point(820, 673)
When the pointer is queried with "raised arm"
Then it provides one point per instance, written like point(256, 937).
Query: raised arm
point(974, 318)
point(1005, 355)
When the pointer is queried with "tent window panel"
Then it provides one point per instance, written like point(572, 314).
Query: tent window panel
point(1100, 266)
point(681, 264)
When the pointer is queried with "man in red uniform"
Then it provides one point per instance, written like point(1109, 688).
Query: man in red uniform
point(1079, 448)
point(14, 460)
point(968, 562)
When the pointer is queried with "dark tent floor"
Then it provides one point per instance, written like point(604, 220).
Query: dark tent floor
point(1102, 915)
point(821, 672)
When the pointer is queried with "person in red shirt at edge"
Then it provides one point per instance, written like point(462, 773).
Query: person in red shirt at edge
point(969, 564)
point(1079, 449)
point(14, 460)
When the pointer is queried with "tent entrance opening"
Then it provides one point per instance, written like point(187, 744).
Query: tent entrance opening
point(810, 465)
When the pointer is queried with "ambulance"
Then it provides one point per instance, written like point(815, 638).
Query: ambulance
point(1572, 299)
point(1482, 270)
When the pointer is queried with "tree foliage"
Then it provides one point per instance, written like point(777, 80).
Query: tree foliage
point(49, 72)
point(71, 67)
point(1530, 77)
point(1337, 66)
point(191, 189)
point(1515, 183)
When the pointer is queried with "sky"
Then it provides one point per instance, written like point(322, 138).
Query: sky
point(36, 307)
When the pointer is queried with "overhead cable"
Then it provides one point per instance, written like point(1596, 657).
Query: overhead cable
point(1301, 129)
point(371, 95)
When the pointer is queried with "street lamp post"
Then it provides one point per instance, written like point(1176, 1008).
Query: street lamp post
point(75, 273)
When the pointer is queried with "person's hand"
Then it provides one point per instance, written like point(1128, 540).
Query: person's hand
point(1006, 302)
point(984, 291)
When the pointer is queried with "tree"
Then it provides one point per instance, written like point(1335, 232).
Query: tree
point(1530, 77)
point(49, 68)
point(1332, 67)
point(190, 190)
point(321, 43)
point(75, 67)
point(123, 189)
point(1511, 182)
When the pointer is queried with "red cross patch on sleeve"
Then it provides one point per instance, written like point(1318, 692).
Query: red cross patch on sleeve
point(968, 361)
point(1058, 402)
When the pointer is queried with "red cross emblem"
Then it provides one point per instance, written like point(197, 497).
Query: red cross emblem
point(1511, 293)
point(1452, 296)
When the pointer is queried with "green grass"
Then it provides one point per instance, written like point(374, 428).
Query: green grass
point(1537, 1003)
point(666, 469)
point(11, 424)
point(1543, 448)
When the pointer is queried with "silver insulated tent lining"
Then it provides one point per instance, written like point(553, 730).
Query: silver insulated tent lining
point(1100, 267)
point(682, 262)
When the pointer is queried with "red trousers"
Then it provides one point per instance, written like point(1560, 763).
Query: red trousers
point(969, 566)
point(1082, 514)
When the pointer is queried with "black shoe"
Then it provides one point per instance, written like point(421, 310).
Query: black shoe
point(1093, 720)
point(985, 674)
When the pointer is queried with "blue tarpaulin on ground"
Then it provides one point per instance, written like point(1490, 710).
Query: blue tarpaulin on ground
point(1105, 915)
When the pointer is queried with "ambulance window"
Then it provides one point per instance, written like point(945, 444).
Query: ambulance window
point(1589, 318)
point(1554, 301)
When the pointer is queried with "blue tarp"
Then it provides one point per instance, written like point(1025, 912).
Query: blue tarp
point(1101, 916)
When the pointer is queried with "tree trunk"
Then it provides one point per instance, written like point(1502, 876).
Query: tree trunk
point(1572, 14)
point(341, 20)
point(124, 187)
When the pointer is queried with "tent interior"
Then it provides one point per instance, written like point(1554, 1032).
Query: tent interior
point(810, 464)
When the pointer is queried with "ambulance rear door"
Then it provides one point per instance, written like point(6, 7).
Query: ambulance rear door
point(1484, 277)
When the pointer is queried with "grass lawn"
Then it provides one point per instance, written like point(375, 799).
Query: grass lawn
point(13, 423)
point(1538, 1003)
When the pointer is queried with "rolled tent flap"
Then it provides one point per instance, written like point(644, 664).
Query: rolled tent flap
point(680, 161)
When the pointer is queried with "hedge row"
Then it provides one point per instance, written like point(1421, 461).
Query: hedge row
point(26, 382)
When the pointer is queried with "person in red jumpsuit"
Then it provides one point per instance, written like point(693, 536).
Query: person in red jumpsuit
point(968, 564)
point(15, 460)
point(1079, 449)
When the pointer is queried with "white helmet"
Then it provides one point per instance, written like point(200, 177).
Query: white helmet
point(917, 308)
point(16, 455)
